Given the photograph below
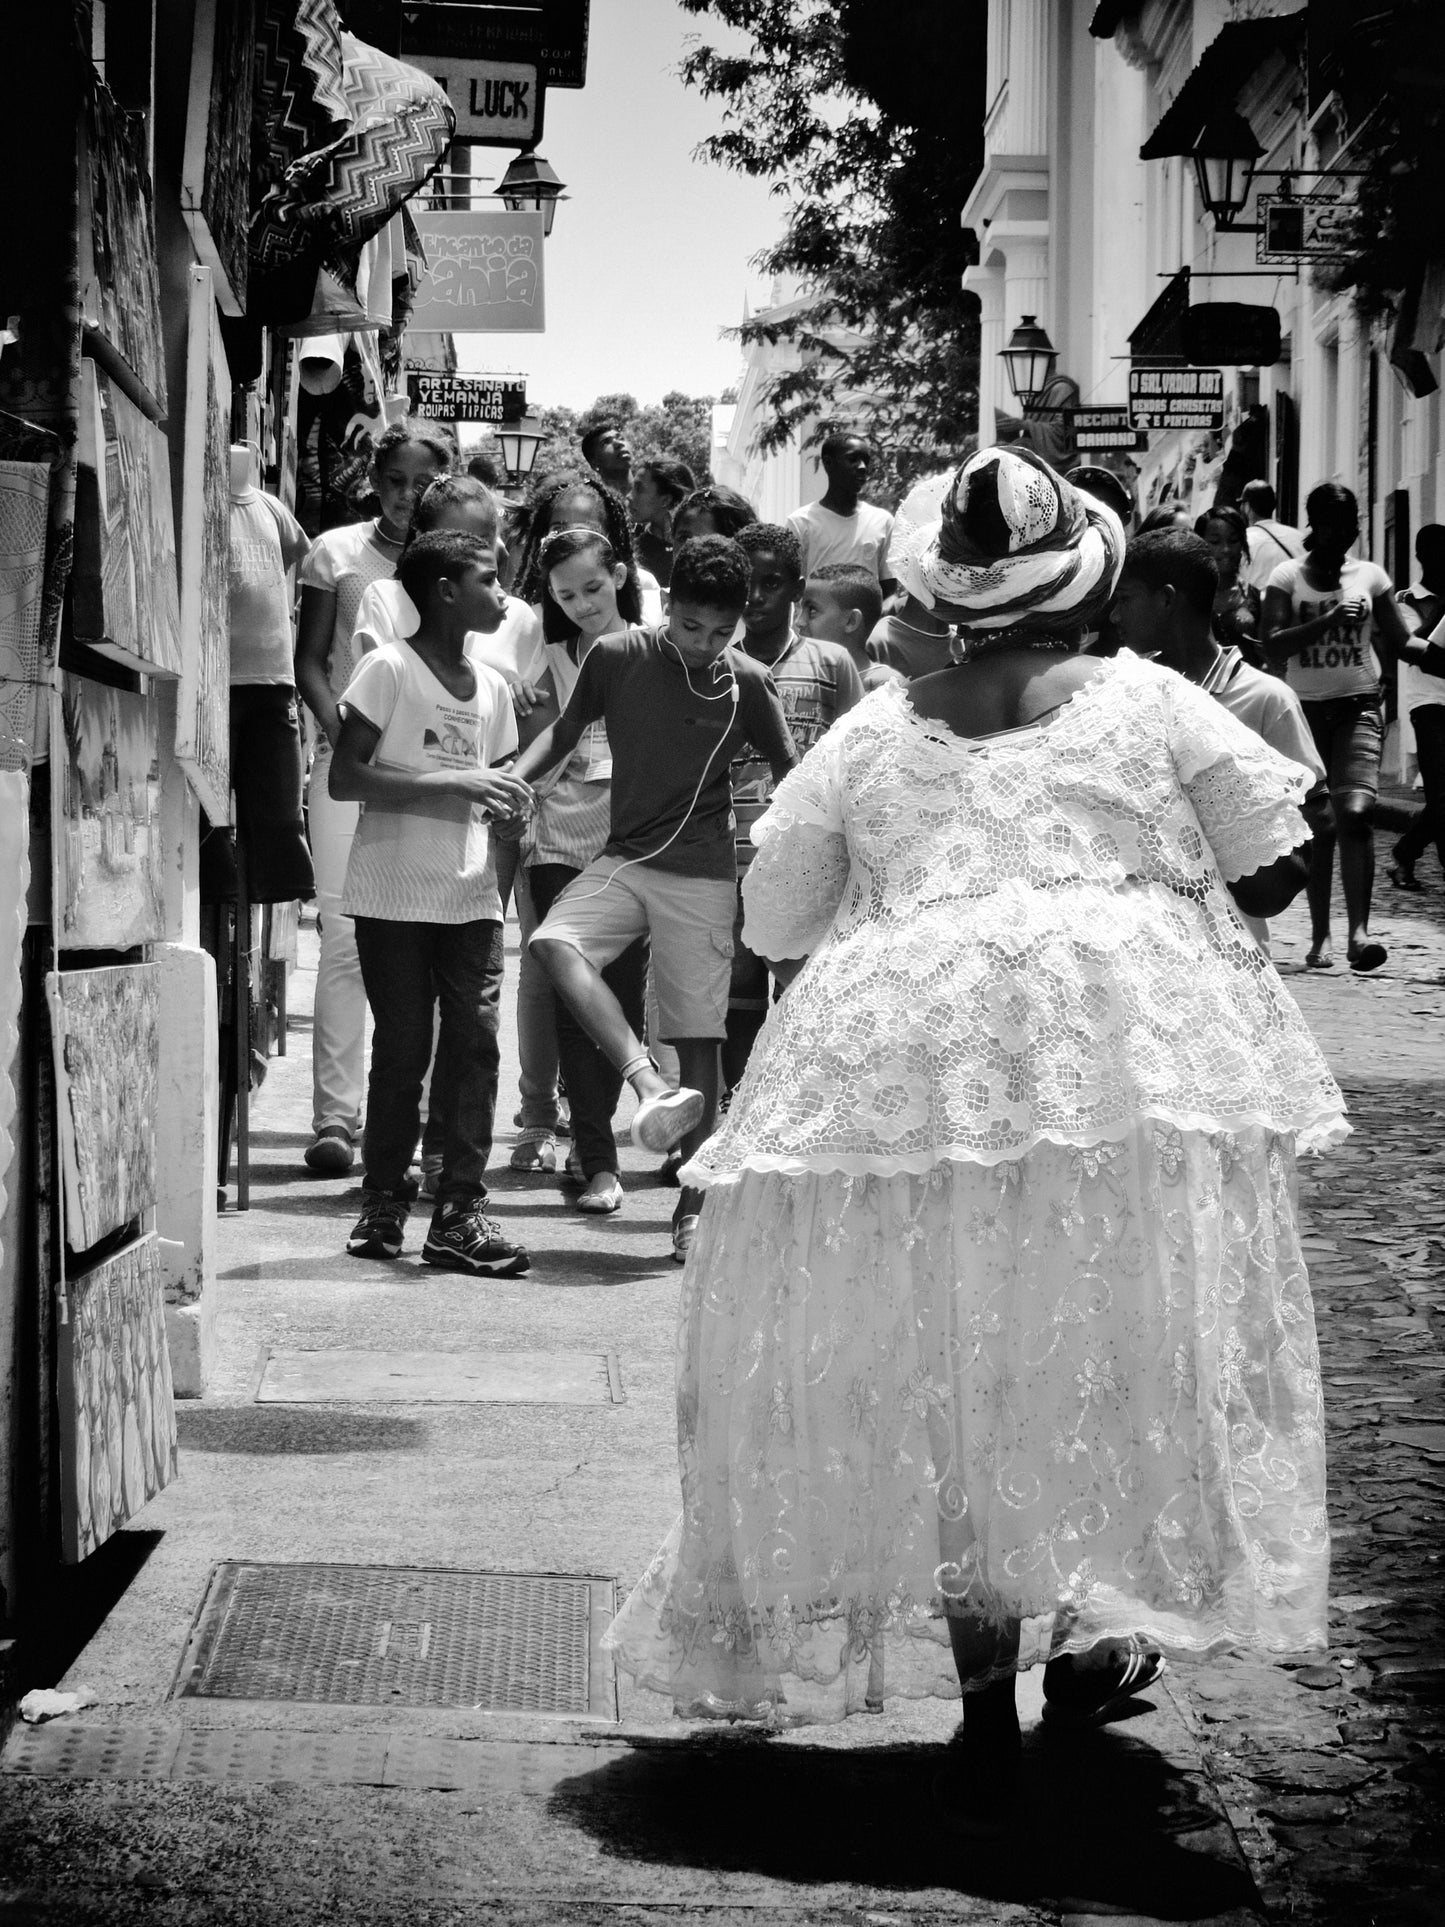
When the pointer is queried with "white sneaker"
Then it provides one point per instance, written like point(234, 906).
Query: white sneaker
point(659, 1122)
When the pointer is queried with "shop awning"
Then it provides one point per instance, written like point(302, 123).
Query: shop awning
point(1235, 53)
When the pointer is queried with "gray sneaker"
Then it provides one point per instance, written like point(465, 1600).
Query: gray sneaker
point(378, 1232)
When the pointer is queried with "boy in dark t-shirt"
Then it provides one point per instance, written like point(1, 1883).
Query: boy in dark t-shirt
point(678, 703)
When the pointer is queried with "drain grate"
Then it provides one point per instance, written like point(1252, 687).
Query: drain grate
point(403, 1636)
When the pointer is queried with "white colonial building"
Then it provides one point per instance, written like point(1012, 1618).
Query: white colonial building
point(1089, 217)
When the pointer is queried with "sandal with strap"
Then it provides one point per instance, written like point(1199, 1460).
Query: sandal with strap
point(1097, 1694)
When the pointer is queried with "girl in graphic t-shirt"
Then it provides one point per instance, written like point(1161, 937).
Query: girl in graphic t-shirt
point(337, 570)
point(1326, 616)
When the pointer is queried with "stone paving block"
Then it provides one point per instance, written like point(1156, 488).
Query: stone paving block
point(219, 1755)
point(93, 1750)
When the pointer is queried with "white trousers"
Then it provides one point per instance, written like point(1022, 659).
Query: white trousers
point(338, 1033)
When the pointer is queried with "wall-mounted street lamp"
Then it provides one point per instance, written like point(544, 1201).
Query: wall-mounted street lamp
point(520, 443)
point(1030, 359)
point(1225, 157)
point(530, 184)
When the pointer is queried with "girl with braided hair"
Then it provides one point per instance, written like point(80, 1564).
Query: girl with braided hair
point(996, 1339)
point(575, 500)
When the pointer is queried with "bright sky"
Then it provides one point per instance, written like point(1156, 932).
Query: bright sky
point(649, 258)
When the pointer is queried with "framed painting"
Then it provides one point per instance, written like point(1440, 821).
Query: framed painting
point(125, 597)
point(119, 279)
point(106, 817)
point(117, 1407)
point(24, 529)
point(203, 706)
point(216, 170)
point(105, 1033)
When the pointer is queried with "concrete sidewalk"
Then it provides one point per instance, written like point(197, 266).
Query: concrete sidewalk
point(149, 1808)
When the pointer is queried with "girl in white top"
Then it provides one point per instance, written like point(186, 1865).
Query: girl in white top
point(1326, 616)
point(578, 500)
point(334, 575)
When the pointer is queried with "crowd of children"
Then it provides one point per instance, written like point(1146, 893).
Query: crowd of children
point(593, 745)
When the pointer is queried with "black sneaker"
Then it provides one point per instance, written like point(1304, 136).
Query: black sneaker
point(378, 1231)
point(463, 1238)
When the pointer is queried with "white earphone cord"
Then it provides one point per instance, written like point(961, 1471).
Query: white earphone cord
point(652, 855)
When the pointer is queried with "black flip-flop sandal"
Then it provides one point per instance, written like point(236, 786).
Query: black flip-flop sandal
point(1369, 956)
point(1115, 1687)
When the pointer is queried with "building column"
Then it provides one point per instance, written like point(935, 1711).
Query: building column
point(1029, 74)
point(1026, 286)
point(988, 284)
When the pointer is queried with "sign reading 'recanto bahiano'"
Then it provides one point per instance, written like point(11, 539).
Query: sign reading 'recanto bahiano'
point(1098, 430)
point(484, 274)
point(1176, 397)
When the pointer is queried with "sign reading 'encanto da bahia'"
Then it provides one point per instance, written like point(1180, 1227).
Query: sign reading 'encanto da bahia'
point(484, 274)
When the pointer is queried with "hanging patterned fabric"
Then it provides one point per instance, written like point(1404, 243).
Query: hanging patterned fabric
point(300, 97)
point(337, 177)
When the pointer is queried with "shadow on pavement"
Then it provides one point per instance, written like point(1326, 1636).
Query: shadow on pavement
point(572, 1268)
point(274, 1431)
point(70, 1609)
point(1104, 1823)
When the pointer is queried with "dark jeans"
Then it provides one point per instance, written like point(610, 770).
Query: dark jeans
point(1429, 826)
point(266, 774)
point(409, 969)
point(593, 1085)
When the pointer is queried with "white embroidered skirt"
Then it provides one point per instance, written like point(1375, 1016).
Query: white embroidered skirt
point(1081, 1389)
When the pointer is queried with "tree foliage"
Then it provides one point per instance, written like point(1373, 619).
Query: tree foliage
point(868, 120)
point(679, 427)
point(1388, 70)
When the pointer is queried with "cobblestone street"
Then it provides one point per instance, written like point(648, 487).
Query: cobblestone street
point(1333, 1774)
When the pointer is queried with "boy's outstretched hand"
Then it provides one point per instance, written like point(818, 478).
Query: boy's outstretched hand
point(493, 790)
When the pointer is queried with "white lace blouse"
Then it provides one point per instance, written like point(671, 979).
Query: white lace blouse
point(1021, 937)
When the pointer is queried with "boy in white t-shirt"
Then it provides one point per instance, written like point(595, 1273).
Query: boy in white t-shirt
point(840, 527)
point(424, 730)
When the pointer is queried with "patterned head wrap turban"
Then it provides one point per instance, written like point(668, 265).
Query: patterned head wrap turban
point(1016, 548)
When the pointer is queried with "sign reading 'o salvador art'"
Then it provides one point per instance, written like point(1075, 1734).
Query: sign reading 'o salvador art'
point(1176, 397)
point(484, 274)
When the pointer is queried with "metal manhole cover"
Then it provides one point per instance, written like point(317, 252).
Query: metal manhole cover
point(516, 1642)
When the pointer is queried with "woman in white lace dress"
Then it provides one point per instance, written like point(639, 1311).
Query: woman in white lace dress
point(996, 1338)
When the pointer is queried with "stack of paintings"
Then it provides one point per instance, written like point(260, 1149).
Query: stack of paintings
point(117, 1409)
point(106, 818)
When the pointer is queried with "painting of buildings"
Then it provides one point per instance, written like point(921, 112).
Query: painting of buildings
point(203, 705)
point(106, 817)
point(119, 278)
point(126, 601)
point(105, 1032)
